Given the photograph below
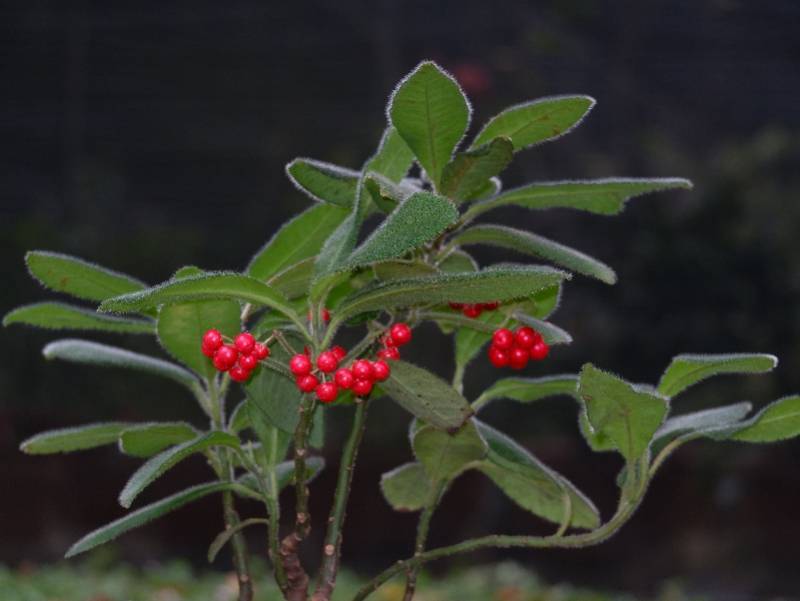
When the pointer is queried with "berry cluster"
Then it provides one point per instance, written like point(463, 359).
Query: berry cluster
point(474, 310)
point(239, 357)
point(515, 349)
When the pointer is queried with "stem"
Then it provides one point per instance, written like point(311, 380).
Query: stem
point(333, 538)
point(423, 526)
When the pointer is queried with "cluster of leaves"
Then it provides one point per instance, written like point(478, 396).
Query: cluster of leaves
point(410, 266)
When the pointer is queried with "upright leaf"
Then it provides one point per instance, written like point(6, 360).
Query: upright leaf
point(60, 316)
point(67, 440)
point(431, 114)
point(276, 397)
point(445, 455)
point(407, 487)
point(324, 182)
point(686, 370)
point(527, 390)
point(393, 158)
point(469, 173)
point(145, 440)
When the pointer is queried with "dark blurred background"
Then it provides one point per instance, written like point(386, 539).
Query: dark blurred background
point(146, 138)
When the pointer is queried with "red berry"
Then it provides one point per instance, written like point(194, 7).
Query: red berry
point(248, 362)
point(261, 351)
point(307, 383)
point(472, 311)
point(525, 337)
point(388, 340)
point(225, 357)
point(456, 306)
point(300, 365)
point(340, 352)
point(207, 350)
point(498, 357)
point(245, 342)
point(490, 306)
point(389, 353)
point(362, 387)
point(239, 373)
point(212, 339)
point(362, 369)
point(539, 351)
point(381, 370)
point(400, 333)
point(344, 377)
point(326, 315)
point(327, 392)
point(518, 357)
point(327, 361)
point(503, 339)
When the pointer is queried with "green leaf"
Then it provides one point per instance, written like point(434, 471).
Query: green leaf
point(402, 270)
point(60, 316)
point(494, 284)
point(779, 420)
point(527, 390)
point(469, 172)
point(386, 194)
point(407, 487)
point(537, 121)
point(293, 282)
point(394, 158)
point(531, 484)
point(66, 440)
point(284, 471)
point(324, 182)
point(426, 396)
point(145, 440)
point(93, 353)
point(700, 421)
point(687, 370)
point(337, 248)
point(601, 196)
point(159, 464)
point(275, 396)
point(443, 455)
point(532, 244)
point(431, 114)
point(77, 277)
point(144, 515)
point(490, 188)
point(274, 442)
point(419, 219)
point(458, 261)
point(628, 415)
point(551, 333)
point(226, 535)
point(299, 239)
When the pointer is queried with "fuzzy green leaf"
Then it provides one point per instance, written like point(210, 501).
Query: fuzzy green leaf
point(144, 515)
point(407, 487)
point(431, 114)
point(469, 172)
point(700, 421)
point(686, 370)
point(532, 244)
point(60, 316)
point(145, 440)
point(293, 282)
point(527, 390)
point(445, 455)
point(393, 158)
point(67, 440)
point(537, 121)
point(551, 333)
point(626, 414)
point(458, 261)
point(779, 420)
point(77, 277)
point(402, 270)
point(324, 182)
point(426, 396)
point(161, 463)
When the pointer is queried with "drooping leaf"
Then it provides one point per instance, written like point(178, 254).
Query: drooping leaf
point(77, 277)
point(159, 464)
point(407, 487)
point(626, 414)
point(393, 158)
point(532, 244)
point(538, 121)
point(700, 421)
point(687, 370)
point(426, 396)
point(601, 196)
point(531, 484)
point(779, 420)
point(60, 316)
point(145, 440)
point(470, 172)
point(144, 515)
point(324, 182)
point(527, 390)
point(299, 239)
point(226, 535)
point(431, 114)
point(550, 332)
point(67, 440)
point(93, 353)
point(445, 455)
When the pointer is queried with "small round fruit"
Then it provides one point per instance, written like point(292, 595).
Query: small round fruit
point(498, 357)
point(344, 378)
point(362, 387)
point(225, 357)
point(362, 370)
point(472, 311)
point(503, 339)
point(326, 315)
point(327, 392)
point(239, 373)
point(390, 353)
point(248, 362)
point(245, 342)
point(261, 351)
point(381, 370)
point(327, 361)
point(525, 337)
point(539, 351)
point(300, 365)
point(518, 357)
point(400, 333)
point(307, 383)
point(212, 339)
point(207, 350)
point(388, 341)
point(340, 352)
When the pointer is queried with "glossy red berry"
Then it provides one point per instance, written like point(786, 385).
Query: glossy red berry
point(388, 340)
point(239, 373)
point(244, 342)
point(300, 365)
point(503, 339)
point(340, 352)
point(472, 311)
point(539, 351)
point(248, 362)
point(389, 353)
point(307, 383)
point(261, 351)
point(498, 357)
point(327, 392)
point(327, 361)
point(362, 370)
point(207, 350)
point(525, 337)
point(344, 378)
point(225, 357)
point(518, 357)
point(400, 333)
point(212, 339)
point(456, 306)
point(362, 387)
point(326, 315)
point(381, 370)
